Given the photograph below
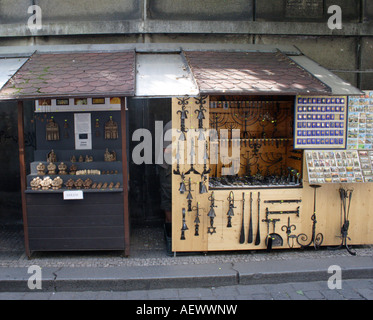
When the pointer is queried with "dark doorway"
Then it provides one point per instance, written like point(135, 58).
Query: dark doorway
point(144, 194)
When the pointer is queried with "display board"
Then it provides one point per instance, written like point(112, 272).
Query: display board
point(333, 167)
point(320, 122)
point(360, 122)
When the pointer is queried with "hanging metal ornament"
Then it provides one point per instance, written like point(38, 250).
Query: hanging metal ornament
point(184, 226)
point(211, 229)
point(189, 196)
point(230, 212)
point(177, 171)
point(182, 188)
point(197, 221)
point(200, 116)
point(183, 116)
point(202, 184)
point(97, 127)
point(192, 154)
point(66, 129)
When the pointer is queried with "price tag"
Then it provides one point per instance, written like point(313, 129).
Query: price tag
point(73, 195)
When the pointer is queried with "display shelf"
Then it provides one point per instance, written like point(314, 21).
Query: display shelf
point(84, 191)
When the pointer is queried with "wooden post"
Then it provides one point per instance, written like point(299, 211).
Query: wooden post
point(22, 169)
point(125, 178)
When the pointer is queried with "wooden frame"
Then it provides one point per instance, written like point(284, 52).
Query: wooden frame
point(22, 168)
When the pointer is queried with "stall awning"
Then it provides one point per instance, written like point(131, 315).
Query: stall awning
point(163, 70)
point(8, 67)
point(338, 85)
point(165, 74)
point(252, 73)
point(78, 74)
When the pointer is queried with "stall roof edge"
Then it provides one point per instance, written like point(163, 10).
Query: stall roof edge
point(338, 86)
point(26, 51)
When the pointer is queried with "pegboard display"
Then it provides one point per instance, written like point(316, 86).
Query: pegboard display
point(320, 123)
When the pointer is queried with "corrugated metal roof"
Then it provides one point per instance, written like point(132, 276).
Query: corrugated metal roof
point(8, 67)
point(73, 74)
point(251, 73)
point(338, 85)
point(163, 75)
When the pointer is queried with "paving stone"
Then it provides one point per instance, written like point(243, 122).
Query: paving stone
point(366, 293)
point(314, 295)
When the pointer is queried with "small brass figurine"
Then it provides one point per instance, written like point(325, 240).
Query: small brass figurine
point(87, 183)
point(73, 169)
point(51, 157)
point(52, 130)
point(46, 183)
point(35, 183)
point(69, 184)
point(111, 130)
point(51, 168)
point(110, 156)
point(72, 159)
point(88, 158)
point(79, 184)
point(41, 169)
point(81, 159)
point(62, 168)
point(57, 183)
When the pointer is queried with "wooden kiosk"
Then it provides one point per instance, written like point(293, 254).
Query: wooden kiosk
point(75, 191)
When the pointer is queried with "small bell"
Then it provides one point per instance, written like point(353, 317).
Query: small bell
point(182, 188)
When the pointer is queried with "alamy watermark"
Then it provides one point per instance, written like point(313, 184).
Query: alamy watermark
point(34, 281)
point(335, 21)
point(335, 280)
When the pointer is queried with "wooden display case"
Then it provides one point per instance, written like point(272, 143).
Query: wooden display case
point(97, 219)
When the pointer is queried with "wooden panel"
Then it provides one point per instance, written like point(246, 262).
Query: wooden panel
point(50, 199)
point(75, 232)
point(179, 201)
point(77, 244)
point(75, 221)
point(71, 210)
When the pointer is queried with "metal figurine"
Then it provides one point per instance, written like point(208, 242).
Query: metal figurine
point(288, 228)
point(211, 229)
point(230, 212)
point(182, 188)
point(316, 239)
point(200, 116)
point(202, 184)
point(52, 130)
point(189, 196)
point(184, 226)
point(111, 130)
point(197, 221)
point(183, 116)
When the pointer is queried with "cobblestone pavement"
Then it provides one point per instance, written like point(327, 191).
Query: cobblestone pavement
point(148, 248)
point(361, 289)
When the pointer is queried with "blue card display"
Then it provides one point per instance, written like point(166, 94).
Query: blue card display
point(320, 122)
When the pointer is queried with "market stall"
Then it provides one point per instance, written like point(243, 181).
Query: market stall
point(266, 171)
point(75, 190)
